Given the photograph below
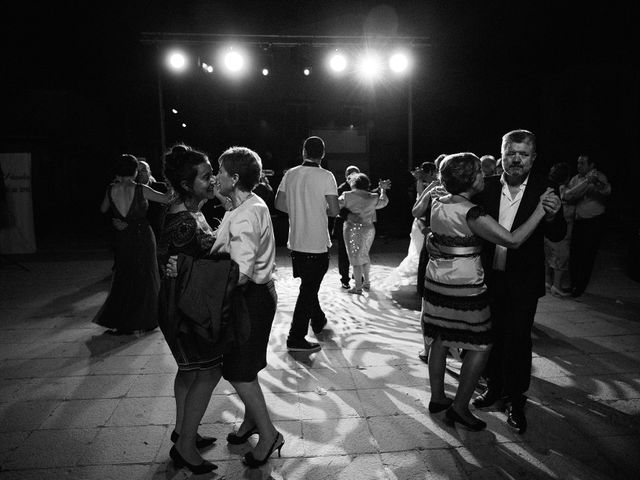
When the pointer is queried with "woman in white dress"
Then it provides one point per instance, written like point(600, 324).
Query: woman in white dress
point(406, 272)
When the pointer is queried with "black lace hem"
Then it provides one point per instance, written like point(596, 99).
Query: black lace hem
point(451, 335)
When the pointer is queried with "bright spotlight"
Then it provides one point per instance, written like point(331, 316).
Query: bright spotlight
point(370, 66)
point(234, 61)
point(338, 62)
point(306, 72)
point(265, 72)
point(177, 61)
point(184, 125)
point(399, 62)
point(174, 111)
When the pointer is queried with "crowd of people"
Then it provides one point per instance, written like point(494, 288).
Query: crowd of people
point(487, 236)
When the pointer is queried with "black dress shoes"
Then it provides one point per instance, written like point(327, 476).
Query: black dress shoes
point(486, 399)
point(516, 418)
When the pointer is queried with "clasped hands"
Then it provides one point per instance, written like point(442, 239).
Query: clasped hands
point(384, 184)
point(550, 203)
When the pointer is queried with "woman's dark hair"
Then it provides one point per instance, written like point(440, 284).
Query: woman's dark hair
point(126, 165)
point(458, 171)
point(359, 181)
point(245, 163)
point(559, 173)
point(181, 167)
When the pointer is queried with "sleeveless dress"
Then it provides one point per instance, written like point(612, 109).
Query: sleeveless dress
point(132, 303)
point(455, 304)
point(190, 234)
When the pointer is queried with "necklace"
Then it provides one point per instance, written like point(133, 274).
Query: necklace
point(237, 202)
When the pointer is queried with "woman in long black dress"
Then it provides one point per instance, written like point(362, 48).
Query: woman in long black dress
point(132, 303)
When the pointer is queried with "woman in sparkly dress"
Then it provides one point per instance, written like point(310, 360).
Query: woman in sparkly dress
point(359, 230)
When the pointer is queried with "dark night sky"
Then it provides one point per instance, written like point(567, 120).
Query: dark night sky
point(565, 70)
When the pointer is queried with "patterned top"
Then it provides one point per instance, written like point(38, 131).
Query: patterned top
point(185, 232)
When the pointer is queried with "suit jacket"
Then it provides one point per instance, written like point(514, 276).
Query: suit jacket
point(525, 266)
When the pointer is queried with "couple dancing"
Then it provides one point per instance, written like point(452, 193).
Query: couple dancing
point(490, 321)
point(215, 283)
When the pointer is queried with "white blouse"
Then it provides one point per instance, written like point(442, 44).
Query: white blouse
point(246, 233)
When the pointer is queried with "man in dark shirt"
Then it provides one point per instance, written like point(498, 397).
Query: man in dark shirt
point(343, 259)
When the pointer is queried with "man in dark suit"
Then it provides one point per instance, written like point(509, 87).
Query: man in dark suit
point(515, 278)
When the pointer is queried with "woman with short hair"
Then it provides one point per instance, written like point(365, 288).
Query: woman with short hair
point(246, 233)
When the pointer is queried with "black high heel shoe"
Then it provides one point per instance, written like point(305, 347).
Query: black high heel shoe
point(435, 407)
point(179, 462)
point(235, 439)
point(452, 417)
point(201, 442)
point(252, 462)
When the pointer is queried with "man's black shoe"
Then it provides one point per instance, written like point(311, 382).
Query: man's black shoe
point(302, 346)
point(576, 292)
point(317, 328)
point(423, 356)
point(486, 399)
point(516, 418)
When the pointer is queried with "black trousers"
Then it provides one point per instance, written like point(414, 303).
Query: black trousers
point(509, 367)
point(585, 240)
point(310, 268)
point(343, 258)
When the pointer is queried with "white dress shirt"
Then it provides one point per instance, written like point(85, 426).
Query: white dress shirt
point(508, 208)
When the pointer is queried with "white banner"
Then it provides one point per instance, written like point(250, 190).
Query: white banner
point(20, 236)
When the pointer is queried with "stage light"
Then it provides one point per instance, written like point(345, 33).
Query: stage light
point(184, 125)
point(399, 62)
point(306, 71)
point(174, 111)
point(265, 72)
point(337, 62)
point(207, 68)
point(234, 61)
point(177, 61)
point(370, 66)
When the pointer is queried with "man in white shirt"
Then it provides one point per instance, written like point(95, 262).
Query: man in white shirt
point(308, 194)
point(588, 190)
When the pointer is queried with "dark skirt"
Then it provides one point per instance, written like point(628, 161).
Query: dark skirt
point(192, 347)
point(243, 362)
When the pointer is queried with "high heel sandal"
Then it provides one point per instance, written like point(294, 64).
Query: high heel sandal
point(201, 442)
point(179, 462)
point(252, 462)
point(452, 417)
point(235, 439)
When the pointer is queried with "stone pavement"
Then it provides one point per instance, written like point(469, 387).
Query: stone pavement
point(78, 404)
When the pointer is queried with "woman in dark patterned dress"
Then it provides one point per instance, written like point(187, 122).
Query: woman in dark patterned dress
point(455, 306)
point(199, 357)
point(132, 303)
